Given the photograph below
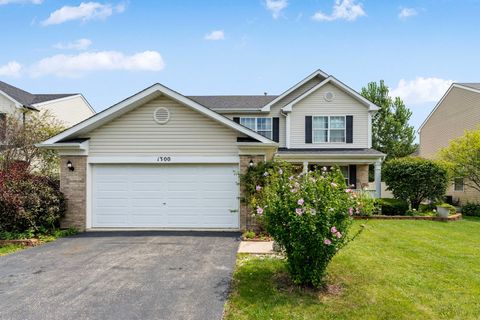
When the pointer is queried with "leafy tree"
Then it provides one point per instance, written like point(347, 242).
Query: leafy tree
point(19, 139)
point(415, 179)
point(463, 157)
point(391, 133)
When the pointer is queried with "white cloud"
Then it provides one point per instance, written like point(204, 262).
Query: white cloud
point(407, 13)
point(80, 44)
point(11, 69)
point(421, 90)
point(276, 7)
point(84, 11)
point(77, 65)
point(342, 9)
point(2, 2)
point(215, 35)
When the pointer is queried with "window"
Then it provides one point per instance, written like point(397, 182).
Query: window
point(262, 126)
point(458, 184)
point(328, 129)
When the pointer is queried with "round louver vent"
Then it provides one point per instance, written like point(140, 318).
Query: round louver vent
point(329, 96)
point(161, 115)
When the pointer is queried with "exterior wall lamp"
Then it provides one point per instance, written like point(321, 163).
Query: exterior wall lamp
point(70, 165)
point(251, 163)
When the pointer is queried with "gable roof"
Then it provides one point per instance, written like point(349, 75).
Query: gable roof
point(138, 99)
point(371, 106)
point(472, 87)
point(316, 73)
point(27, 99)
point(241, 103)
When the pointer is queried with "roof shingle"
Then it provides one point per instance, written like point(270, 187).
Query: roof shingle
point(233, 102)
point(27, 99)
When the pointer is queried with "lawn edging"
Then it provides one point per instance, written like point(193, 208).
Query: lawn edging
point(23, 242)
point(454, 217)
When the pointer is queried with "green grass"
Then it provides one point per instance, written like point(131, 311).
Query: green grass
point(394, 270)
point(10, 248)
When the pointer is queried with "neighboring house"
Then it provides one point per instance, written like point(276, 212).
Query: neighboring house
point(70, 108)
point(458, 110)
point(159, 159)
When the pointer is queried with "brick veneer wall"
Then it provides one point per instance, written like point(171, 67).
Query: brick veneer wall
point(362, 175)
point(247, 221)
point(73, 184)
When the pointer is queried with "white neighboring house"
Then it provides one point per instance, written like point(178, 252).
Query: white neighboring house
point(160, 159)
point(70, 108)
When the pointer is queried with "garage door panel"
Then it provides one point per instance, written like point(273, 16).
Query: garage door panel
point(170, 196)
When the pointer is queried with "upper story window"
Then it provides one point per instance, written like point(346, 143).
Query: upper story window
point(262, 126)
point(458, 184)
point(328, 129)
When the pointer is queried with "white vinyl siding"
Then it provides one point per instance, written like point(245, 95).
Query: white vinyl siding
point(342, 105)
point(187, 133)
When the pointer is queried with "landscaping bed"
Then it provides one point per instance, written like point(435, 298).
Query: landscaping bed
point(394, 270)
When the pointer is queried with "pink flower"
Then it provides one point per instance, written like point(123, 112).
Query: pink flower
point(350, 211)
point(299, 211)
point(327, 242)
point(348, 190)
point(258, 188)
point(333, 184)
point(312, 211)
point(280, 171)
point(338, 235)
point(290, 178)
point(293, 190)
point(265, 174)
point(333, 230)
point(300, 202)
point(259, 210)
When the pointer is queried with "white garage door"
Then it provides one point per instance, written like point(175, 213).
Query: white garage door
point(168, 196)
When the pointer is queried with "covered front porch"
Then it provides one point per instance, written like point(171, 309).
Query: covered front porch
point(354, 164)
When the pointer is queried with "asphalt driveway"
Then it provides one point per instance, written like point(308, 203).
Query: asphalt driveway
point(120, 275)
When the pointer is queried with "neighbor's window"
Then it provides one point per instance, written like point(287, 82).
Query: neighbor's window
point(262, 126)
point(328, 129)
point(458, 184)
point(3, 125)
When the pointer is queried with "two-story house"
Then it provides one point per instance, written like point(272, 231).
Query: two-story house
point(458, 110)
point(70, 108)
point(159, 159)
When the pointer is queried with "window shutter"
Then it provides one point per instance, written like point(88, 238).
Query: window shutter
point(352, 173)
point(308, 129)
point(236, 119)
point(276, 129)
point(349, 133)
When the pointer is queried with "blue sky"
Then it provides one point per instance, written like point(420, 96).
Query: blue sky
point(110, 50)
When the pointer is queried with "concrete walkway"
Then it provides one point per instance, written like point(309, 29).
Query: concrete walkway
point(256, 247)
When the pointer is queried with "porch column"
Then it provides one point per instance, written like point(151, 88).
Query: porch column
point(305, 167)
point(378, 179)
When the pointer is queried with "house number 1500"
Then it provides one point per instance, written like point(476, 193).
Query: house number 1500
point(164, 159)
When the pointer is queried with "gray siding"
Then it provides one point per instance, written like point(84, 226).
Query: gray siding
point(315, 105)
point(187, 133)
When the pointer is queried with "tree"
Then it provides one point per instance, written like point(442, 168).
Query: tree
point(415, 179)
point(391, 133)
point(19, 139)
point(463, 157)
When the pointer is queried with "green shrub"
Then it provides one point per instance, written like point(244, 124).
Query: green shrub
point(248, 234)
point(309, 215)
point(427, 207)
point(366, 204)
point(471, 209)
point(29, 203)
point(392, 207)
point(415, 179)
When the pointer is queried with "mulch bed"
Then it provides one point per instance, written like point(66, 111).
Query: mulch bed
point(454, 217)
point(23, 242)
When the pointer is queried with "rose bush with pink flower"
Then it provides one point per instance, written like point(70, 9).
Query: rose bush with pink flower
point(309, 215)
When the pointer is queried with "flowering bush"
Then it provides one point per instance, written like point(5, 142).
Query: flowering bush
point(307, 214)
point(28, 202)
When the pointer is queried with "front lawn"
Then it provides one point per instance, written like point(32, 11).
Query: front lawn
point(10, 248)
point(394, 270)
